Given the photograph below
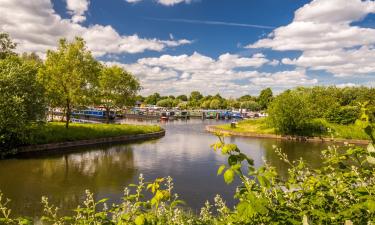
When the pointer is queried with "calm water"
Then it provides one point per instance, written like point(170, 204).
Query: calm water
point(184, 154)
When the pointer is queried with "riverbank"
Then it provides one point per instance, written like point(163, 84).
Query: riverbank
point(258, 128)
point(54, 136)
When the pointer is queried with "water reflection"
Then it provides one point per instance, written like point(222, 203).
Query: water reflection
point(184, 154)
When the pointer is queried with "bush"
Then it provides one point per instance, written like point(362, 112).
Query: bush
point(343, 115)
point(289, 113)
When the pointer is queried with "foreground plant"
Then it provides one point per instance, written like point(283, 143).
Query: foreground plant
point(342, 190)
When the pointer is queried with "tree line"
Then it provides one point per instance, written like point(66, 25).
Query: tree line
point(69, 78)
point(301, 110)
point(196, 100)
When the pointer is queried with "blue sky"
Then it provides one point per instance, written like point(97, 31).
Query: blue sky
point(231, 47)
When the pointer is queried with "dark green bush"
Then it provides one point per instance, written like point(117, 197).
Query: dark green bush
point(343, 115)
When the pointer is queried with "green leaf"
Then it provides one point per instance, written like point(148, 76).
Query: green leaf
point(229, 176)
point(371, 159)
point(140, 220)
point(371, 148)
point(220, 170)
point(228, 148)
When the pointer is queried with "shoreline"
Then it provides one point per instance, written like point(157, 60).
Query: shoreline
point(56, 147)
point(214, 129)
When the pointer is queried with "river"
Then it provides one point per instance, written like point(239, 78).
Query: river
point(184, 154)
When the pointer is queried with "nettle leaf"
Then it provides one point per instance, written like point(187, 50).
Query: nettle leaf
point(229, 176)
point(220, 170)
point(217, 145)
point(140, 220)
point(371, 159)
point(232, 160)
point(228, 148)
point(371, 148)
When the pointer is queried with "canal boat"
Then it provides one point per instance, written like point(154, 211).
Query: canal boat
point(94, 113)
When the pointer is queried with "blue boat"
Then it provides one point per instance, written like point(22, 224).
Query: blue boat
point(94, 113)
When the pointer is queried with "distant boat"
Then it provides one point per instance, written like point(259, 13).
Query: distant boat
point(95, 113)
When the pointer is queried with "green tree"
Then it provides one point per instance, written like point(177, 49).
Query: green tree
point(21, 100)
point(6, 45)
point(289, 113)
point(215, 104)
point(195, 96)
point(117, 88)
point(182, 98)
point(206, 104)
point(69, 74)
point(167, 103)
point(251, 105)
point(153, 99)
point(265, 97)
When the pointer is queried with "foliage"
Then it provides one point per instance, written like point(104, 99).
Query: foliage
point(215, 104)
point(152, 99)
point(289, 113)
point(265, 98)
point(69, 73)
point(195, 95)
point(251, 105)
point(343, 190)
point(117, 88)
point(182, 98)
point(343, 115)
point(6, 46)
point(22, 100)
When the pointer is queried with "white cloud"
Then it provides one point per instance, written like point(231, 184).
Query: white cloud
point(164, 2)
point(78, 8)
point(324, 32)
point(230, 75)
point(36, 27)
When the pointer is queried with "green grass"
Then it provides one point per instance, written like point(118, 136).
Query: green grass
point(260, 126)
point(350, 131)
point(56, 132)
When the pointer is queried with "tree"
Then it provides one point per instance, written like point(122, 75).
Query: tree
point(69, 74)
point(206, 104)
point(195, 96)
point(265, 97)
point(167, 103)
point(289, 113)
point(6, 46)
point(182, 98)
point(251, 105)
point(215, 104)
point(153, 99)
point(21, 100)
point(246, 98)
point(117, 88)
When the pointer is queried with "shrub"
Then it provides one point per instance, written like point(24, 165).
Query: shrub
point(343, 115)
point(289, 113)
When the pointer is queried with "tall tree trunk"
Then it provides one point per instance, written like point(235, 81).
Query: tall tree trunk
point(68, 111)
point(107, 114)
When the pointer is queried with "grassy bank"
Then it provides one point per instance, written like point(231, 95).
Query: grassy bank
point(56, 132)
point(260, 126)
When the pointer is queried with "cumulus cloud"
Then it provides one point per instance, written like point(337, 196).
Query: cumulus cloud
point(229, 74)
point(36, 27)
point(77, 8)
point(324, 32)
